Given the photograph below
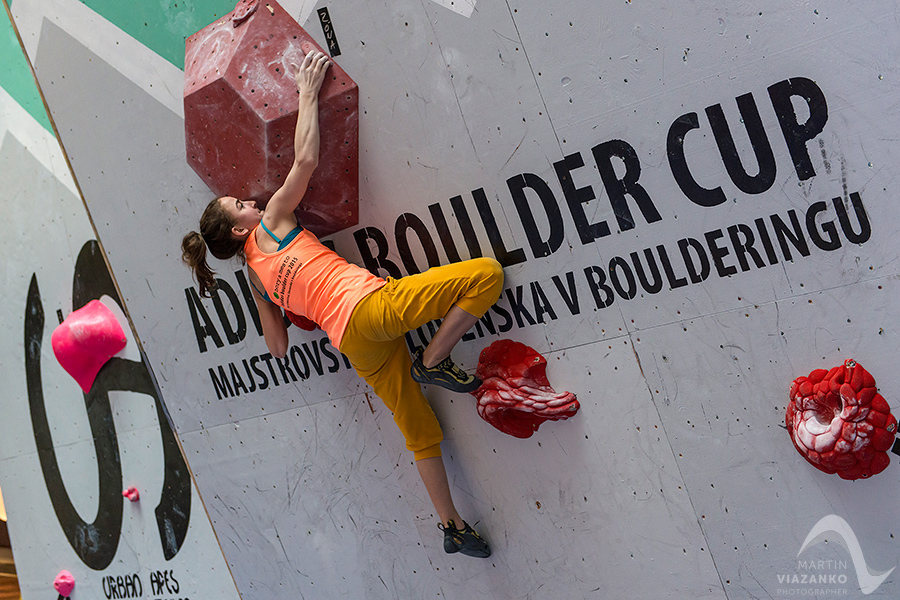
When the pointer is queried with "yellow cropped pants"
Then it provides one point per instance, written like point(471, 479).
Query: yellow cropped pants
point(374, 339)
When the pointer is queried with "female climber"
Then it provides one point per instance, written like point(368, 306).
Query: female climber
point(364, 316)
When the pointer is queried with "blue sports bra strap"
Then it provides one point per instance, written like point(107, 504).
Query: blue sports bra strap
point(290, 237)
point(262, 293)
point(266, 229)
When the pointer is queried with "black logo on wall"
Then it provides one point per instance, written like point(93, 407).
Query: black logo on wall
point(96, 542)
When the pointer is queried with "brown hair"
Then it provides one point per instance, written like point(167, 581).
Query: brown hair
point(216, 236)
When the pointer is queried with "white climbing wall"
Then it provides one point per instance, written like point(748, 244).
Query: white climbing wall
point(675, 285)
point(65, 459)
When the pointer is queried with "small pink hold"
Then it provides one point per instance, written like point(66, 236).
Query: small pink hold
point(86, 340)
point(132, 494)
point(64, 583)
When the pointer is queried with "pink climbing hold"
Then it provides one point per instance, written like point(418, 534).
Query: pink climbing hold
point(515, 395)
point(132, 494)
point(840, 423)
point(86, 340)
point(64, 583)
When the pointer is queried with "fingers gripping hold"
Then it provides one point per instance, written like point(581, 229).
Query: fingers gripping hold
point(311, 72)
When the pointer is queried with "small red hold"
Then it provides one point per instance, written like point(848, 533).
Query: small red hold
point(840, 423)
point(243, 11)
point(515, 395)
point(132, 494)
point(300, 321)
point(86, 340)
point(64, 583)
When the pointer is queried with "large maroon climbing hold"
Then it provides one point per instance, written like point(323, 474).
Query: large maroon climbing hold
point(86, 340)
point(840, 423)
point(240, 110)
point(515, 395)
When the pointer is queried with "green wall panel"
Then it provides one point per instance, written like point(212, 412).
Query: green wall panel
point(15, 75)
point(162, 25)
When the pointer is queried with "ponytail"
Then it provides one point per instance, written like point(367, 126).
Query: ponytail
point(215, 236)
point(193, 253)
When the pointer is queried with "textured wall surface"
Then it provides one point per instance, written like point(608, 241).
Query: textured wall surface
point(66, 457)
point(694, 205)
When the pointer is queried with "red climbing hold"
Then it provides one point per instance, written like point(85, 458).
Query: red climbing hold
point(300, 321)
point(240, 110)
point(840, 423)
point(243, 11)
point(132, 494)
point(86, 340)
point(515, 396)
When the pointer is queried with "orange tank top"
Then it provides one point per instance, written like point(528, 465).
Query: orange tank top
point(309, 279)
